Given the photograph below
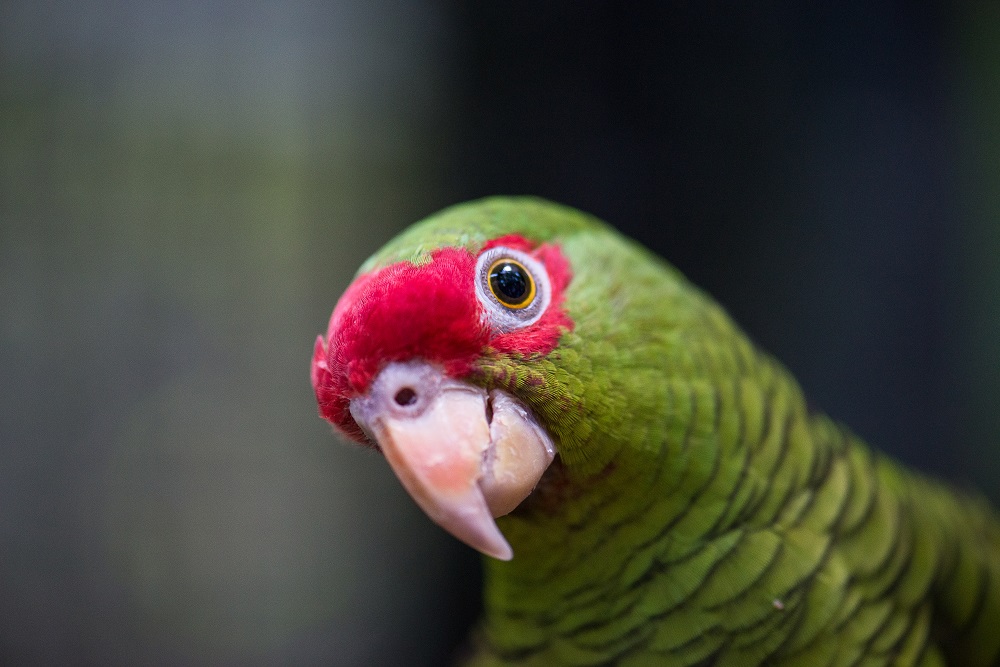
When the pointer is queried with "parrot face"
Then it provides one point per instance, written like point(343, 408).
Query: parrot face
point(401, 366)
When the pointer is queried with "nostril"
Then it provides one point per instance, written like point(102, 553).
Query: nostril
point(405, 396)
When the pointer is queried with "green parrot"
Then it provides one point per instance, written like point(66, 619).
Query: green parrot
point(648, 486)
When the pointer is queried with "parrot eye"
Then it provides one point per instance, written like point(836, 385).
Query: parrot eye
point(511, 283)
point(513, 286)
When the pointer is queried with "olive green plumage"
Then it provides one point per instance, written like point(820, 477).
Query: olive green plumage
point(699, 513)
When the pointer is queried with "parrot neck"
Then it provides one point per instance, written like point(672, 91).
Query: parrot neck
point(582, 551)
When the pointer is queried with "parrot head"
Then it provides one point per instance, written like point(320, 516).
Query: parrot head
point(482, 345)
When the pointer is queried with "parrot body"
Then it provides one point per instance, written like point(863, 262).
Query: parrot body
point(696, 512)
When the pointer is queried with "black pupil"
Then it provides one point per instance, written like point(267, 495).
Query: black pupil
point(509, 283)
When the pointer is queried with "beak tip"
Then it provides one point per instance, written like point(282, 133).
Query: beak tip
point(477, 529)
point(502, 551)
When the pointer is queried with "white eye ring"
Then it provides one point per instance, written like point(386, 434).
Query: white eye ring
point(501, 318)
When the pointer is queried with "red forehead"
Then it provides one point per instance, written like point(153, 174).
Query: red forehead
point(427, 311)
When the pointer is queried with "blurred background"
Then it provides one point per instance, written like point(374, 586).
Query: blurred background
point(186, 188)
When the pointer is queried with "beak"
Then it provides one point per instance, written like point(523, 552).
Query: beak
point(464, 455)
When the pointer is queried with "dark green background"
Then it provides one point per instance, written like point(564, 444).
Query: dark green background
point(186, 188)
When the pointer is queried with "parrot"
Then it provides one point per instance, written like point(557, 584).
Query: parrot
point(647, 486)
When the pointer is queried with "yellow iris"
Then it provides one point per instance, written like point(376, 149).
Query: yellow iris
point(511, 283)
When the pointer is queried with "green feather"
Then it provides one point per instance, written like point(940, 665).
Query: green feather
point(698, 513)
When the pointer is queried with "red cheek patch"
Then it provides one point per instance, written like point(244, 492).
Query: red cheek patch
point(428, 311)
point(403, 311)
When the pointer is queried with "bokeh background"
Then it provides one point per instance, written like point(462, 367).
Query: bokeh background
point(187, 187)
